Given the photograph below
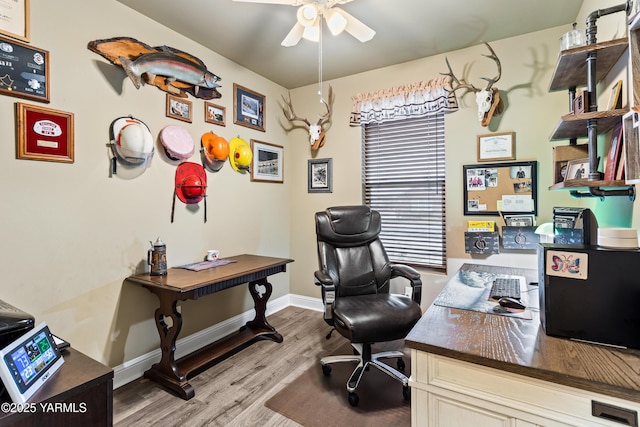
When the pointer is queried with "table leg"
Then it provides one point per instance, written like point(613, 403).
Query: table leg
point(167, 371)
point(260, 291)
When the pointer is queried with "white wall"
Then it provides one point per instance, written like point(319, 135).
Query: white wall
point(71, 234)
point(531, 112)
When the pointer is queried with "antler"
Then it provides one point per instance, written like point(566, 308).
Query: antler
point(497, 60)
point(463, 84)
point(290, 114)
point(460, 84)
point(325, 117)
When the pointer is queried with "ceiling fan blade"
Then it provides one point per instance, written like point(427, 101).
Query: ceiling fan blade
point(356, 28)
point(291, 2)
point(294, 35)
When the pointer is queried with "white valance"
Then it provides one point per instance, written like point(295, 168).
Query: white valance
point(401, 102)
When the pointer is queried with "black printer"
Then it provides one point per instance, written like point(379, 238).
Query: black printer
point(590, 293)
point(13, 323)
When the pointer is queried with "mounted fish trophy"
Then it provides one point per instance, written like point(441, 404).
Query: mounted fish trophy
point(170, 70)
point(316, 131)
point(488, 99)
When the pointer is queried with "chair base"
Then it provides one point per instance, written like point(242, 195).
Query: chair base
point(364, 359)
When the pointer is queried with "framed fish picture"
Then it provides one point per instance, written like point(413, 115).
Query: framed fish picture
point(248, 108)
point(24, 71)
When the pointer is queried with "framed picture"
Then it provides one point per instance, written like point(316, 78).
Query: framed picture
point(179, 108)
point(44, 134)
point(497, 146)
point(214, 114)
point(268, 162)
point(248, 108)
point(501, 188)
point(319, 176)
point(615, 101)
point(14, 20)
point(577, 169)
point(24, 70)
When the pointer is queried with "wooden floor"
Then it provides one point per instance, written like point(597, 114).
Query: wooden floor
point(233, 392)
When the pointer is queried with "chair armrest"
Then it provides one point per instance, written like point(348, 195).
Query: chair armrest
point(324, 280)
point(412, 275)
point(328, 294)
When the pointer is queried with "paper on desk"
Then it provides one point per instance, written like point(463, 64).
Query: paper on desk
point(198, 266)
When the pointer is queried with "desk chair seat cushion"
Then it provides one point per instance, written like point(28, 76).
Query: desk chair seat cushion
point(375, 317)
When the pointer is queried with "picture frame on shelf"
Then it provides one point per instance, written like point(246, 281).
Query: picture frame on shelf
point(577, 169)
point(497, 146)
point(15, 22)
point(26, 75)
point(44, 134)
point(248, 108)
point(581, 102)
point(179, 108)
point(613, 157)
point(268, 162)
point(320, 176)
point(615, 100)
point(214, 114)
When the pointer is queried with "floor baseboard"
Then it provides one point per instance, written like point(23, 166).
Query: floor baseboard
point(133, 369)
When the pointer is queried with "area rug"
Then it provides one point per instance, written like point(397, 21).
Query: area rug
point(315, 400)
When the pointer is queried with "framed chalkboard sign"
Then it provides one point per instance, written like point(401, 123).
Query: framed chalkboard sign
point(24, 71)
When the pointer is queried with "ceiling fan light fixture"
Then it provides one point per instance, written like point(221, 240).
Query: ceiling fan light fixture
point(311, 33)
point(308, 14)
point(335, 21)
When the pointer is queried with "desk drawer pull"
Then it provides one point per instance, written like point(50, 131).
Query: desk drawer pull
point(614, 413)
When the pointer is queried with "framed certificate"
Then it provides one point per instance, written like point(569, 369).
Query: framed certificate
point(14, 19)
point(497, 146)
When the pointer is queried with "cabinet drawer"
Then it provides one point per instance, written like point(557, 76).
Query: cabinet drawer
point(561, 403)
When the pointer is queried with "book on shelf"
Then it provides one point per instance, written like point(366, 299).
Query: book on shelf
point(613, 158)
point(620, 175)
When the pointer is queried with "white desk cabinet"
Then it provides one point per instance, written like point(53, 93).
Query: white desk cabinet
point(475, 369)
point(450, 393)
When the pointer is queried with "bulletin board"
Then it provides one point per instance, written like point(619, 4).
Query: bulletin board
point(510, 188)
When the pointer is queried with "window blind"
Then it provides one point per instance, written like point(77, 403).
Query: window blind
point(404, 179)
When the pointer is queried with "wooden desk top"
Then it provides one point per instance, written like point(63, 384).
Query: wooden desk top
point(78, 373)
point(182, 280)
point(521, 347)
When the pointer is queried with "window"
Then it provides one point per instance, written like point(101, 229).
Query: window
point(404, 180)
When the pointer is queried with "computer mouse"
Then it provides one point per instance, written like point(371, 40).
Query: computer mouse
point(511, 303)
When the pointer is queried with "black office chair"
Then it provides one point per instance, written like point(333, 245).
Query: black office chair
point(355, 274)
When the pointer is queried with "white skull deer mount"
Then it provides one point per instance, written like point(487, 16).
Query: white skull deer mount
point(488, 99)
point(316, 131)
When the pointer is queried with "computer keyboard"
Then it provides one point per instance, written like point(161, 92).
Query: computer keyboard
point(505, 287)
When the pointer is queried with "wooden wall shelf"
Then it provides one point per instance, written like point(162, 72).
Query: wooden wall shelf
point(575, 125)
point(571, 68)
point(584, 184)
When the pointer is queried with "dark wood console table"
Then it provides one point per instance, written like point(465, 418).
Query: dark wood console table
point(179, 285)
point(79, 394)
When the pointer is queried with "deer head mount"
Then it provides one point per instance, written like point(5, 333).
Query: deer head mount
point(488, 99)
point(316, 131)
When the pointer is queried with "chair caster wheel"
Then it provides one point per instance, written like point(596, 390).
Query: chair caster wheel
point(406, 392)
point(400, 364)
point(326, 370)
point(353, 399)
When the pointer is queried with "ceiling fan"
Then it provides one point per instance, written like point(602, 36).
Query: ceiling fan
point(309, 18)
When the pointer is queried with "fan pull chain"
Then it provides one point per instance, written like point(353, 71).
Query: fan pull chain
point(320, 60)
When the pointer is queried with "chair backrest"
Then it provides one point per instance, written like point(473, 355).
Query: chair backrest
point(350, 250)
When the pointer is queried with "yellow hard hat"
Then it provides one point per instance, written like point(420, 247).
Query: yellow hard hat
point(240, 154)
